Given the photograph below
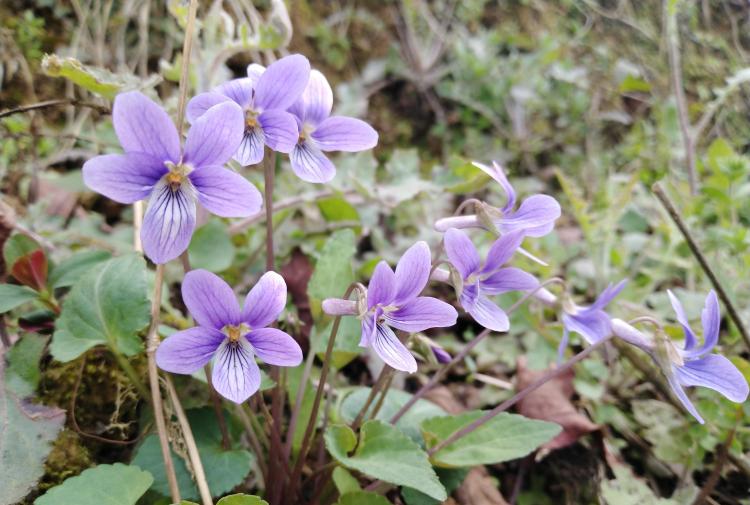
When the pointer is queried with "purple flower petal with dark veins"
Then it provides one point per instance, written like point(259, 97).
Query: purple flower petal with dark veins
point(154, 167)
point(317, 132)
point(169, 222)
point(393, 300)
point(310, 164)
point(390, 349)
point(490, 278)
point(232, 338)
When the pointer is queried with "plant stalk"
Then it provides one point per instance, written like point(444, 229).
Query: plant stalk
point(192, 448)
point(702, 261)
point(152, 343)
point(517, 397)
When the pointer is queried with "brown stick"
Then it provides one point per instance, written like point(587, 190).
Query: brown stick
point(702, 261)
point(517, 397)
point(713, 479)
point(53, 103)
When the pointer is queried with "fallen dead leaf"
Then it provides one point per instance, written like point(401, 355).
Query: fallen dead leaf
point(551, 402)
point(479, 489)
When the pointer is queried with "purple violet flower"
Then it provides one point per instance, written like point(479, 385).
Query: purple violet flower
point(491, 278)
point(318, 132)
point(691, 365)
point(591, 322)
point(393, 301)
point(155, 167)
point(536, 215)
point(264, 96)
point(231, 336)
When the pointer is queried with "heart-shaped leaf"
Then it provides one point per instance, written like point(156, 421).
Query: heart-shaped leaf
point(384, 453)
point(503, 438)
point(116, 484)
point(109, 306)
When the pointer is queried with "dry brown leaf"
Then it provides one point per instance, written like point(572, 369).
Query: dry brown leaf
point(479, 489)
point(551, 402)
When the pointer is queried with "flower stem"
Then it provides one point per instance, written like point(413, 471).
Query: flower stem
point(185, 73)
point(192, 448)
point(517, 397)
point(384, 377)
point(152, 343)
point(306, 439)
point(269, 166)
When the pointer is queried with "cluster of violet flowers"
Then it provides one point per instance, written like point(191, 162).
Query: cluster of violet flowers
point(287, 108)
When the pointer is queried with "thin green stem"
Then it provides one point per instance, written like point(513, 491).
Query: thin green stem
point(379, 383)
point(306, 438)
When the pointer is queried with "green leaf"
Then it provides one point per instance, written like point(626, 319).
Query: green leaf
point(333, 270)
point(409, 423)
point(94, 79)
point(631, 84)
point(70, 270)
point(116, 484)
point(512, 437)
point(13, 295)
point(451, 478)
point(345, 348)
point(109, 306)
point(16, 246)
point(241, 499)
point(384, 453)
point(225, 469)
point(22, 374)
point(294, 376)
point(26, 434)
point(336, 208)
point(362, 498)
point(627, 489)
point(344, 481)
point(211, 247)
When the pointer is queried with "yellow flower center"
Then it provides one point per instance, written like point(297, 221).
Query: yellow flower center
point(177, 174)
point(234, 333)
point(251, 120)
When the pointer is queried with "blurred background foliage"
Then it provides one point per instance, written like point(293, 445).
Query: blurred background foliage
point(575, 98)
